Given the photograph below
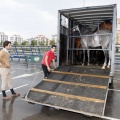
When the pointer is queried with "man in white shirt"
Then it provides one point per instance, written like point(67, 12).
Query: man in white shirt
point(5, 71)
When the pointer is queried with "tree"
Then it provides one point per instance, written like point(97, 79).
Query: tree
point(33, 42)
point(24, 43)
point(42, 42)
point(52, 42)
point(15, 43)
point(46, 42)
point(38, 43)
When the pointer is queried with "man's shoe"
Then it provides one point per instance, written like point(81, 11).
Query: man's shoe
point(6, 98)
point(15, 95)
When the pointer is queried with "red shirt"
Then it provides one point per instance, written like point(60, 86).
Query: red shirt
point(50, 55)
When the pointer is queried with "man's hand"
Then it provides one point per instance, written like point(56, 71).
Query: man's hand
point(7, 66)
point(49, 69)
point(54, 63)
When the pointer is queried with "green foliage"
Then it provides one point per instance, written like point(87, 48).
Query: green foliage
point(42, 42)
point(15, 43)
point(47, 42)
point(33, 42)
point(24, 43)
point(52, 42)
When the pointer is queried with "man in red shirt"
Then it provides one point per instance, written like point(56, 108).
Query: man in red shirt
point(48, 57)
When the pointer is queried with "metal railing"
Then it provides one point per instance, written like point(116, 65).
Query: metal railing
point(117, 55)
point(21, 52)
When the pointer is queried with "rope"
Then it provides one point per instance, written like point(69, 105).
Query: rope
point(26, 98)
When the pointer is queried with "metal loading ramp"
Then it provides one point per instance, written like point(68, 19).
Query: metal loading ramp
point(73, 88)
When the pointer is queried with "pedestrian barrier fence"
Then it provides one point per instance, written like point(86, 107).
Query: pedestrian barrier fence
point(117, 54)
point(29, 54)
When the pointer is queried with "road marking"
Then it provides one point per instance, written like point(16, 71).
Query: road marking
point(17, 88)
point(13, 71)
point(114, 90)
point(23, 69)
point(117, 70)
point(26, 75)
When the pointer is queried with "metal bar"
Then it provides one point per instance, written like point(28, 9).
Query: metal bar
point(81, 15)
point(91, 35)
point(95, 8)
point(91, 16)
point(67, 41)
point(58, 38)
point(87, 49)
point(93, 19)
point(113, 41)
point(98, 24)
point(38, 50)
point(73, 41)
point(89, 12)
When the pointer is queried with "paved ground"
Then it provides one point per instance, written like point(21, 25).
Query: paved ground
point(23, 78)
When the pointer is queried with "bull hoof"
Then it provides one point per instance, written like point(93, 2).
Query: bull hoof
point(103, 68)
point(108, 67)
point(82, 64)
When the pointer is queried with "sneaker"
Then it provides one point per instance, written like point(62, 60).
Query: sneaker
point(15, 95)
point(6, 98)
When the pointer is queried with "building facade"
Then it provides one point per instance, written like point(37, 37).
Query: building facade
point(54, 37)
point(16, 38)
point(118, 31)
point(42, 40)
point(3, 37)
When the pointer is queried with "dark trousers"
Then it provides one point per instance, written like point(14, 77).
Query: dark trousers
point(45, 70)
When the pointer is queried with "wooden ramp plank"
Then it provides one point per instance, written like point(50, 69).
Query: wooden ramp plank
point(84, 70)
point(76, 84)
point(67, 95)
point(79, 79)
point(73, 90)
point(74, 105)
point(89, 75)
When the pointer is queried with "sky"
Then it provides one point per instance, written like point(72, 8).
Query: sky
point(29, 18)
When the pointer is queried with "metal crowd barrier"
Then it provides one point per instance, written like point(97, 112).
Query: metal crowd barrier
point(117, 54)
point(28, 53)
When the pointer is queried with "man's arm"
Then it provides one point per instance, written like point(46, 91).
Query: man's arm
point(2, 61)
point(1, 57)
point(54, 63)
point(46, 62)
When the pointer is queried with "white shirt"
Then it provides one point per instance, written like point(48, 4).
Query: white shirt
point(5, 50)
